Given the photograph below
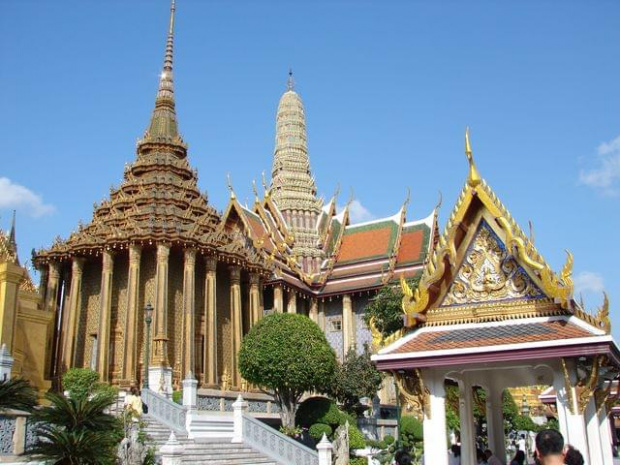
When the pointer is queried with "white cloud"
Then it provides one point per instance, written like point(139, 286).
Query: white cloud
point(587, 281)
point(606, 176)
point(358, 213)
point(19, 197)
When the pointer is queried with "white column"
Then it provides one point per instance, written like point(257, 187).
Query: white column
point(239, 407)
point(435, 447)
point(605, 434)
point(572, 425)
point(495, 420)
point(325, 449)
point(172, 452)
point(594, 434)
point(468, 432)
point(190, 391)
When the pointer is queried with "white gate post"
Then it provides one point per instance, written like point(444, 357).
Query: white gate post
point(172, 451)
point(190, 391)
point(325, 451)
point(239, 407)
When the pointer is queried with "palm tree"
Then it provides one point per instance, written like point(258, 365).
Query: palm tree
point(17, 394)
point(78, 430)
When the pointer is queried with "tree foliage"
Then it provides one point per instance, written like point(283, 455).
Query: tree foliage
point(411, 431)
point(386, 309)
point(77, 430)
point(355, 378)
point(17, 394)
point(288, 355)
point(84, 382)
point(319, 410)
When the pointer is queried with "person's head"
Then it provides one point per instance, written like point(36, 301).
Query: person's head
point(488, 453)
point(573, 456)
point(456, 450)
point(133, 391)
point(402, 457)
point(522, 436)
point(549, 443)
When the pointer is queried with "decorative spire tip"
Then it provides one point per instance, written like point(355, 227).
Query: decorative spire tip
point(474, 177)
point(290, 83)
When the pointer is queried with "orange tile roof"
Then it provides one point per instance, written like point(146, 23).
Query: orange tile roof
point(413, 246)
point(492, 335)
point(367, 243)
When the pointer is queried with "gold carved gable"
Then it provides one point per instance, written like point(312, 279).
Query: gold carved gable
point(489, 274)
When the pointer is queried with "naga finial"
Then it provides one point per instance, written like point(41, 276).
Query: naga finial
point(603, 315)
point(407, 199)
point(474, 177)
point(439, 201)
point(255, 190)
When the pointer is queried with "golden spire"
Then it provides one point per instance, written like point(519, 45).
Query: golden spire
point(163, 126)
point(474, 177)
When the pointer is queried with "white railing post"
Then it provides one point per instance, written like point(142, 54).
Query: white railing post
point(325, 451)
point(171, 452)
point(190, 391)
point(239, 407)
point(6, 363)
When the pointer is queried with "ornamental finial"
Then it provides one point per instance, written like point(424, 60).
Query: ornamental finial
point(290, 83)
point(230, 186)
point(474, 177)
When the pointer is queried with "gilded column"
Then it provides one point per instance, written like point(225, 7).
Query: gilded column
point(44, 271)
point(75, 297)
point(314, 310)
point(51, 305)
point(348, 324)
point(189, 306)
point(105, 316)
point(236, 328)
point(291, 304)
point(133, 302)
point(210, 356)
point(278, 298)
point(160, 349)
point(255, 313)
point(53, 281)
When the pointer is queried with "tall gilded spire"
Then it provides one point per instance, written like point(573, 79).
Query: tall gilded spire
point(292, 185)
point(163, 126)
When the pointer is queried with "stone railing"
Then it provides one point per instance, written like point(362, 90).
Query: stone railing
point(268, 441)
point(16, 433)
point(165, 410)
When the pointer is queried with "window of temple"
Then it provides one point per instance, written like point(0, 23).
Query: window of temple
point(335, 324)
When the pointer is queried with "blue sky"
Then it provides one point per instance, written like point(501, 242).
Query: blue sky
point(388, 87)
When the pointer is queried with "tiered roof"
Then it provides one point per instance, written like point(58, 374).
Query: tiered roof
point(487, 294)
point(158, 200)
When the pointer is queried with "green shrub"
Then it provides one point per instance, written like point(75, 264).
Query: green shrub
point(80, 382)
point(319, 410)
point(374, 444)
point(318, 429)
point(356, 438)
point(177, 396)
point(358, 461)
point(389, 439)
point(411, 431)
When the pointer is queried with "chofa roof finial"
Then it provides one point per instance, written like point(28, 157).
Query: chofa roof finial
point(474, 177)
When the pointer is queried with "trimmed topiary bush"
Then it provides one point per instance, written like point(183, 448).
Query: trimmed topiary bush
point(411, 431)
point(80, 382)
point(358, 461)
point(318, 429)
point(388, 439)
point(356, 438)
point(319, 410)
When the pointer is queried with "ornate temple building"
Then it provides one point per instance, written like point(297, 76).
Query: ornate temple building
point(25, 326)
point(156, 240)
point(490, 313)
point(324, 266)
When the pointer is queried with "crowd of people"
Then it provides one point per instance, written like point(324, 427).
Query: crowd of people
point(550, 450)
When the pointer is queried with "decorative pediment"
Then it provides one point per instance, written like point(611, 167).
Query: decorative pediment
point(489, 273)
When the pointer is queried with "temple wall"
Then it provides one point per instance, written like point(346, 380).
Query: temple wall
point(147, 295)
point(118, 324)
point(89, 313)
point(362, 333)
point(175, 316)
point(333, 321)
point(223, 319)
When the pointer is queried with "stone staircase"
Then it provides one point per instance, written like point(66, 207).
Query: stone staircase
point(201, 451)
